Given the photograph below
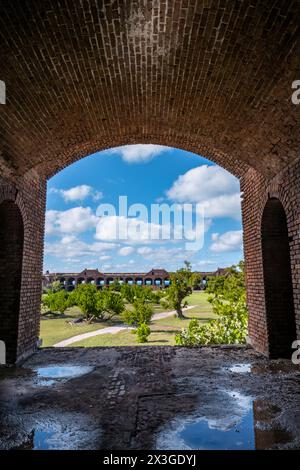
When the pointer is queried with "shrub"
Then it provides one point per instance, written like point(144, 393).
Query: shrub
point(141, 314)
point(56, 301)
point(142, 332)
point(85, 297)
point(229, 304)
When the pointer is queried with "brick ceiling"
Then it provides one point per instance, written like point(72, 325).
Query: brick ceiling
point(211, 76)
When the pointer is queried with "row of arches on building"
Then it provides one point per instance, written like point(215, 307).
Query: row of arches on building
point(71, 282)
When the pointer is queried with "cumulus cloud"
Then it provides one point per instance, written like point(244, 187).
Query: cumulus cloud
point(126, 250)
point(73, 248)
point(125, 229)
point(104, 258)
point(213, 187)
point(144, 250)
point(139, 153)
point(228, 241)
point(79, 193)
point(75, 220)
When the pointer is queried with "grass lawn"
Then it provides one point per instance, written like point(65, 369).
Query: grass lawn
point(162, 331)
point(54, 330)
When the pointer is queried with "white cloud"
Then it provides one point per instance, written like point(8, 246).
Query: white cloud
point(104, 258)
point(140, 153)
point(228, 241)
point(228, 205)
point(144, 250)
point(122, 228)
point(73, 248)
point(126, 250)
point(75, 220)
point(78, 193)
point(213, 187)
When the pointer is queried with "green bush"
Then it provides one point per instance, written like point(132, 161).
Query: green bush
point(141, 314)
point(142, 332)
point(229, 304)
point(85, 297)
point(56, 301)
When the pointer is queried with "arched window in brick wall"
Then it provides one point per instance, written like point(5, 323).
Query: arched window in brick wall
point(11, 256)
point(281, 324)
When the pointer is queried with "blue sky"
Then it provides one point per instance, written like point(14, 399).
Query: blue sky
point(77, 238)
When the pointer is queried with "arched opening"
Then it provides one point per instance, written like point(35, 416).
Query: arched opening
point(100, 283)
point(11, 255)
point(109, 281)
point(280, 314)
point(89, 205)
point(70, 284)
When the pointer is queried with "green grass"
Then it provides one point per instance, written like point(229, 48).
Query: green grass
point(162, 331)
point(54, 330)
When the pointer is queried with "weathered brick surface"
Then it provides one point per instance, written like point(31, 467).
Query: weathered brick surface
point(286, 187)
point(27, 194)
point(201, 75)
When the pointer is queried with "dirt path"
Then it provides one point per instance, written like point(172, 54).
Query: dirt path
point(112, 329)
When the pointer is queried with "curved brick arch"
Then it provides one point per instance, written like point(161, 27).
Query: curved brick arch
point(237, 167)
point(190, 72)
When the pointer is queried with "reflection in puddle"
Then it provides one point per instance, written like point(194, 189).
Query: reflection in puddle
point(47, 374)
point(239, 429)
point(69, 431)
point(42, 440)
point(263, 368)
point(240, 368)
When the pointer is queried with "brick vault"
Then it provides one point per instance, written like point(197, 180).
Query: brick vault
point(213, 77)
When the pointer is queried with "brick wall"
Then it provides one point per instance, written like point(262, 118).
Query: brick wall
point(286, 188)
point(26, 198)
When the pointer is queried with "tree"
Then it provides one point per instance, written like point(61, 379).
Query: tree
point(128, 293)
point(180, 288)
point(140, 314)
point(84, 296)
point(55, 286)
point(113, 302)
point(57, 301)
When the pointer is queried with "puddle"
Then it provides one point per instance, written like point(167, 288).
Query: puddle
point(268, 368)
point(240, 368)
point(69, 431)
point(46, 375)
point(238, 428)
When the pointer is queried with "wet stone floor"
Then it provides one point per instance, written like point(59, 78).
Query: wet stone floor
point(150, 398)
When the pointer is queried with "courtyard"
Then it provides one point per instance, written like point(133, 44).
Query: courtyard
point(150, 398)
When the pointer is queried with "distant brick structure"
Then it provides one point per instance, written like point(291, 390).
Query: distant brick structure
point(156, 278)
point(213, 78)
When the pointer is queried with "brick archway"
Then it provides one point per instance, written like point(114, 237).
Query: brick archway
point(208, 78)
point(11, 258)
point(280, 311)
